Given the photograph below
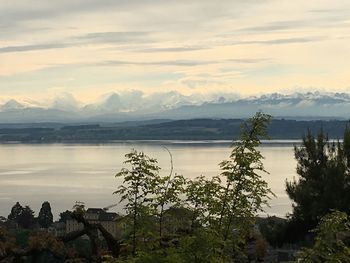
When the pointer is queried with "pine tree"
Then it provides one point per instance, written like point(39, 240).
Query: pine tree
point(45, 218)
point(16, 212)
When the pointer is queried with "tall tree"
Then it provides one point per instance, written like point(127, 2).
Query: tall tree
point(136, 188)
point(246, 192)
point(165, 192)
point(225, 206)
point(45, 218)
point(16, 212)
point(324, 179)
point(26, 219)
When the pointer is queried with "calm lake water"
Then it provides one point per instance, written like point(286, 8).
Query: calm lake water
point(65, 173)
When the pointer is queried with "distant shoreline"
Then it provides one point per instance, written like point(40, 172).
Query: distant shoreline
point(195, 131)
point(265, 143)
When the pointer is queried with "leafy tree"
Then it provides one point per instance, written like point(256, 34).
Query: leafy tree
point(202, 246)
point(136, 188)
point(166, 191)
point(227, 205)
point(203, 199)
point(245, 192)
point(223, 208)
point(324, 180)
point(45, 218)
point(329, 245)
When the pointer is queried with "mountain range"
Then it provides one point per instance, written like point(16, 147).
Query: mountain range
point(135, 106)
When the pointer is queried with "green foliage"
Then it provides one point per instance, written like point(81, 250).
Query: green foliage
point(138, 183)
point(329, 243)
point(205, 220)
point(203, 199)
point(204, 245)
point(246, 192)
point(324, 179)
point(45, 218)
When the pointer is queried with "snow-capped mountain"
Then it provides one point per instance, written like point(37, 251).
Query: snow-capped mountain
point(135, 105)
point(11, 105)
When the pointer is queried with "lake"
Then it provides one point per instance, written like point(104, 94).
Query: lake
point(65, 173)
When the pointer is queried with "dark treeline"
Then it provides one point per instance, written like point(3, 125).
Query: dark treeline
point(196, 129)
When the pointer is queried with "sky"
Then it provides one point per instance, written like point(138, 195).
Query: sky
point(93, 47)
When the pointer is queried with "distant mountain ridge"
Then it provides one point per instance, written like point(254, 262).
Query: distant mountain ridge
point(135, 105)
point(155, 130)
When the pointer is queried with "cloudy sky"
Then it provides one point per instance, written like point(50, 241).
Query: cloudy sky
point(92, 47)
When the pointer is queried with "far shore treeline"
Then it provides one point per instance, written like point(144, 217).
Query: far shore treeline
point(194, 129)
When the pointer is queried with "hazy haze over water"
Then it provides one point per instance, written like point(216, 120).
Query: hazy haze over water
point(63, 174)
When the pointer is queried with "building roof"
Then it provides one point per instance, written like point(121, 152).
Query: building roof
point(102, 214)
point(95, 210)
point(107, 216)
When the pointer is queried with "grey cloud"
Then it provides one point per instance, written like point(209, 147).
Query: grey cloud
point(181, 63)
point(16, 14)
point(327, 11)
point(279, 41)
point(22, 11)
point(247, 60)
point(291, 40)
point(170, 49)
point(14, 18)
point(115, 37)
point(97, 37)
point(323, 20)
point(25, 48)
point(275, 26)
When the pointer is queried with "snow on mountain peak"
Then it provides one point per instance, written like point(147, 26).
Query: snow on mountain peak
point(12, 104)
point(138, 103)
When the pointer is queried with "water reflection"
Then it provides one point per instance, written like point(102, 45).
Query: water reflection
point(63, 174)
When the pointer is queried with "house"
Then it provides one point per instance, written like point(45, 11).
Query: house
point(58, 229)
point(96, 216)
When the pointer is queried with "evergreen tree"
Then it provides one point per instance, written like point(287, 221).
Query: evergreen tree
point(26, 219)
point(16, 212)
point(324, 179)
point(45, 218)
